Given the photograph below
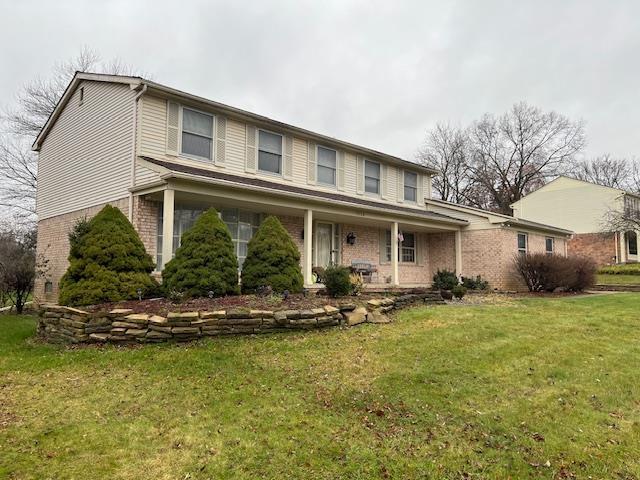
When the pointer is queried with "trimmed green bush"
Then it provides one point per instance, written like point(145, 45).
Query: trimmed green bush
point(273, 260)
point(459, 291)
point(107, 262)
point(445, 280)
point(204, 262)
point(337, 281)
point(626, 269)
point(475, 283)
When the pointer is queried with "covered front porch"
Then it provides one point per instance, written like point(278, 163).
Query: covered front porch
point(401, 249)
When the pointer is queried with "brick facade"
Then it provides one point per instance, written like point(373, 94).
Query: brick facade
point(602, 248)
point(53, 246)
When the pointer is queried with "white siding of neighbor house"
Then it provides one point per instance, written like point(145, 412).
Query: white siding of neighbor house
point(153, 140)
point(570, 204)
point(85, 159)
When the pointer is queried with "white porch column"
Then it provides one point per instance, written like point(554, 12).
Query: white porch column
point(395, 278)
point(623, 247)
point(459, 253)
point(167, 226)
point(307, 267)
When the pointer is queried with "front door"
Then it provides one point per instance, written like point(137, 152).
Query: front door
point(326, 244)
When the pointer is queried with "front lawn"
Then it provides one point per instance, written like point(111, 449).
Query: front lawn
point(535, 388)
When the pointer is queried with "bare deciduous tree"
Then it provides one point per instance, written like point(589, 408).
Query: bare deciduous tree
point(606, 170)
point(518, 151)
point(18, 266)
point(21, 124)
point(447, 149)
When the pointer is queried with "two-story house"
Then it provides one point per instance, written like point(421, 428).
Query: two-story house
point(163, 156)
point(585, 208)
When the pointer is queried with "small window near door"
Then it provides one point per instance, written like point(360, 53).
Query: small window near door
point(523, 243)
point(549, 245)
point(48, 287)
point(406, 247)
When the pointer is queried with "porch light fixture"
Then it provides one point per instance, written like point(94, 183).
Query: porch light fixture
point(351, 238)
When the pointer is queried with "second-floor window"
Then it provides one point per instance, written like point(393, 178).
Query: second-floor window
point(410, 186)
point(371, 177)
point(549, 245)
point(197, 134)
point(269, 152)
point(523, 241)
point(327, 166)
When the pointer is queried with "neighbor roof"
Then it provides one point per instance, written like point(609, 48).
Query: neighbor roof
point(138, 82)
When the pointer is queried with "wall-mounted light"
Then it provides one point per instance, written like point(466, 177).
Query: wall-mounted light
point(351, 238)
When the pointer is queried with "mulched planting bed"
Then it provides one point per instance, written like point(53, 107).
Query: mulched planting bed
point(161, 306)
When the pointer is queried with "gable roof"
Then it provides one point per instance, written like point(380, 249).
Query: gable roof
point(499, 218)
point(178, 170)
point(619, 191)
point(137, 83)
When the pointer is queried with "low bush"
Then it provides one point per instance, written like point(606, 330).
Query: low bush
point(319, 274)
point(475, 283)
point(459, 291)
point(547, 273)
point(337, 281)
point(357, 283)
point(626, 269)
point(445, 280)
point(273, 260)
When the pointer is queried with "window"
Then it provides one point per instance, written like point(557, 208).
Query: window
point(197, 134)
point(48, 287)
point(632, 243)
point(242, 226)
point(371, 177)
point(522, 243)
point(327, 166)
point(406, 247)
point(270, 152)
point(549, 245)
point(410, 186)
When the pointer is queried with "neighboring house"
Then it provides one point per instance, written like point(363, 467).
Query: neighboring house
point(163, 156)
point(584, 207)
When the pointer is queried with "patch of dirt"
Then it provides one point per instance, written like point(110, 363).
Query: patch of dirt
point(161, 306)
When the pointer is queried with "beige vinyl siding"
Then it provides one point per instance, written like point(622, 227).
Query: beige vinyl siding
point(85, 159)
point(570, 204)
point(145, 176)
point(152, 135)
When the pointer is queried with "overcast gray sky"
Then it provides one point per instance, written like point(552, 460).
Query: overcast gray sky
point(375, 73)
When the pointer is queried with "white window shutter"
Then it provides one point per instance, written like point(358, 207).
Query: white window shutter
point(287, 168)
point(251, 157)
point(359, 174)
point(420, 190)
point(221, 140)
point(311, 163)
point(384, 181)
point(340, 171)
point(420, 248)
point(383, 246)
point(400, 185)
point(173, 128)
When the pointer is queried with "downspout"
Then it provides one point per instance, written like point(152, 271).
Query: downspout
point(134, 147)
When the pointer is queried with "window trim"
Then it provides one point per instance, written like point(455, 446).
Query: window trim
point(553, 245)
point(267, 172)
point(335, 177)
point(213, 135)
point(524, 250)
point(364, 178)
point(404, 185)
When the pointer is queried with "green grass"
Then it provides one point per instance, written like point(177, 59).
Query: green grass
point(444, 392)
point(617, 279)
point(626, 269)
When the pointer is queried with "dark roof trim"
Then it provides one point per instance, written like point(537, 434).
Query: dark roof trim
point(291, 189)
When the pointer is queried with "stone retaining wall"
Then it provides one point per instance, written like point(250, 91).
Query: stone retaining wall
point(70, 325)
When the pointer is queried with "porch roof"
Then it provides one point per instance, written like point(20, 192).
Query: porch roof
point(181, 170)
